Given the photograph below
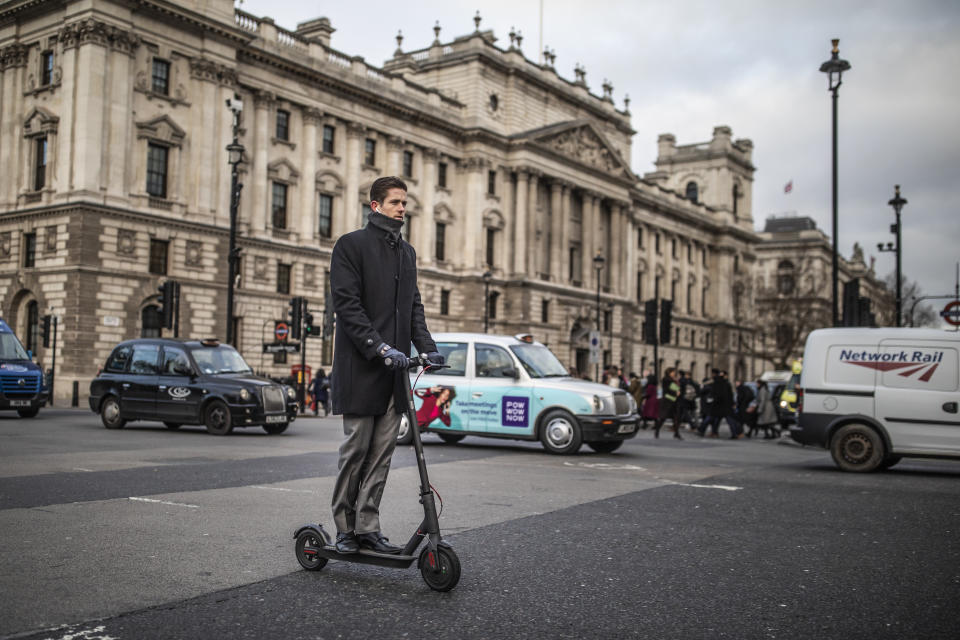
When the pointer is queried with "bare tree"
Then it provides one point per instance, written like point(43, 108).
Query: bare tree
point(924, 315)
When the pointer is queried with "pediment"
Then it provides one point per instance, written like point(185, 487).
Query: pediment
point(283, 170)
point(580, 141)
point(40, 119)
point(162, 129)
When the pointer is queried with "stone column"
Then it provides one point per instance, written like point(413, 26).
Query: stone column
point(472, 231)
point(351, 207)
point(207, 156)
point(520, 225)
point(309, 224)
point(591, 206)
point(566, 215)
point(424, 236)
point(394, 147)
point(263, 101)
point(13, 58)
point(630, 257)
point(532, 249)
point(556, 231)
point(90, 107)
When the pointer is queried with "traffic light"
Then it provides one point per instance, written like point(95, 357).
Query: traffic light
point(311, 330)
point(650, 321)
point(666, 316)
point(296, 316)
point(45, 330)
point(166, 302)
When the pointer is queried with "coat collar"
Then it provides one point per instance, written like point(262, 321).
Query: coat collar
point(388, 225)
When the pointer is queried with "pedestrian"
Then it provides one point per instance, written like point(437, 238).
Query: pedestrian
point(635, 389)
point(650, 409)
point(688, 396)
point(669, 407)
point(746, 407)
point(726, 402)
point(373, 283)
point(706, 409)
point(320, 390)
point(766, 413)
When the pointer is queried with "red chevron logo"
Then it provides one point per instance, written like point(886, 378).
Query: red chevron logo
point(911, 368)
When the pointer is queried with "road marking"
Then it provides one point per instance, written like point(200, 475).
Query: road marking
point(86, 634)
point(172, 504)
point(256, 486)
point(711, 486)
point(82, 469)
point(604, 465)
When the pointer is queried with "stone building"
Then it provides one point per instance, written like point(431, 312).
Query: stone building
point(113, 128)
point(792, 288)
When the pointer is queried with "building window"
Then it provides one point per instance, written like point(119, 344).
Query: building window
point(328, 133)
point(689, 298)
point(370, 152)
point(573, 265)
point(690, 253)
point(408, 164)
point(492, 305)
point(161, 77)
point(491, 183)
point(444, 302)
point(491, 245)
point(279, 205)
point(29, 250)
point(639, 286)
point(736, 197)
point(692, 191)
point(440, 246)
point(703, 302)
point(150, 322)
point(283, 125)
point(33, 326)
point(656, 242)
point(673, 289)
point(280, 357)
point(158, 256)
point(283, 278)
point(544, 311)
point(673, 248)
point(639, 237)
point(157, 170)
point(442, 175)
point(40, 164)
point(326, 215)
point(703, 254)
point(46, 68)
point(784, 336)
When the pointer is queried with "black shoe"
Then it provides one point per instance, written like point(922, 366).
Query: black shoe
point(678, 436)
point(376, 541)
point(347, 543)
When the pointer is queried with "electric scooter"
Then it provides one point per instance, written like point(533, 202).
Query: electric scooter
point(438, 563)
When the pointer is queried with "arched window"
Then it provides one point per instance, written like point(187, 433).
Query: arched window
point(33, 326)
point(692, 191)
point(492, 305)
point(150, 321)
point(786, 280)
point(736, 197)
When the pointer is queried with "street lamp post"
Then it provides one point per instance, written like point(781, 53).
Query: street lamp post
point(598, 265)
point(834, 68)
point(897, 203)
point(234, 158)
point(486, 300)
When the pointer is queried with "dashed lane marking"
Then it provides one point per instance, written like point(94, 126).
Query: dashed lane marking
point(172, 504)
point(256, 486)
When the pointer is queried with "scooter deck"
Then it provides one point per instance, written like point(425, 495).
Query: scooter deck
point(366, 556)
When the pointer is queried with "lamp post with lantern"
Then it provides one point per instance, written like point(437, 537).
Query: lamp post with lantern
point(897, 203)
point(235, 152)
point(486, 300)
point(834, 68)
point(598, 266)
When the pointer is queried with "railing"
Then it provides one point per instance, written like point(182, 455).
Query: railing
point(290, 39)
point(246, 21)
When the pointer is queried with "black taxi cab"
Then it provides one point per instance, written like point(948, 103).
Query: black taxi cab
point(180, 382)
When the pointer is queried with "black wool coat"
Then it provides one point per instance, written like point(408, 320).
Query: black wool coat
point(373, 283)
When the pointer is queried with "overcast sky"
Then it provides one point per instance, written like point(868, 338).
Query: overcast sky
point(689, 65)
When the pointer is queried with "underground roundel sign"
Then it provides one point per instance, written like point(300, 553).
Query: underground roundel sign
point(951, 313)
point(281, 331)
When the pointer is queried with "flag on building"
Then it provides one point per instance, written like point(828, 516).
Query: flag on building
point(788, 187)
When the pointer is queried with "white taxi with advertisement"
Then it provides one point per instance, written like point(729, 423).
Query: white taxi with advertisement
point(514, 387)
point(874, 396)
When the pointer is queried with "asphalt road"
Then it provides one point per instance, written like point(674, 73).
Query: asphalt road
point(149, 533)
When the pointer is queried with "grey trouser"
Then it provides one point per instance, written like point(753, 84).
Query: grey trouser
point(364, 463)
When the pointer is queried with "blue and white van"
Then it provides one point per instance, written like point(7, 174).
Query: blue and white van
point(21, 380)
point(514, 387)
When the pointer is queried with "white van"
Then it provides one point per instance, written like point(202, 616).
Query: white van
point(874, 396)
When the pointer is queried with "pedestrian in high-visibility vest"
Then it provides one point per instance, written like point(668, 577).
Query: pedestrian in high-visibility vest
point(669, 407)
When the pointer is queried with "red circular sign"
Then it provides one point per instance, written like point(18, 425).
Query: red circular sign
point(951, 313)
point(281, 331)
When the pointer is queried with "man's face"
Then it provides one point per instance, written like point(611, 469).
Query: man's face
point(394, 204)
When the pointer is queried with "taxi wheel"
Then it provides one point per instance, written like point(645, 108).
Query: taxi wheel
point(607, 446)
point(404, 433)
point(110, 414)
point(217, 418)
point(857, 447)
point(451, 438)
point(889, 461)
point(172, 425)
point(276, 427)
point(560, 432)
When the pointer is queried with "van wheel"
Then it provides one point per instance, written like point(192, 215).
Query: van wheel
point(857, 447)
point(404, 433)
point(28, 413)
point(560, 433)
point(110, 413)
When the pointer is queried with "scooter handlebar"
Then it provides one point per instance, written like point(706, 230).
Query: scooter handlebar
point(418, 361)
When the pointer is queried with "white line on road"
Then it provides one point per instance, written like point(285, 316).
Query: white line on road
point(172, 504)
point(82, 469)
point(256, 486)
point(711, 486)
point(604, 465)
point(85, 634)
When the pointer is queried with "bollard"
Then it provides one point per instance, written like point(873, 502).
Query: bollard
point(75, 401)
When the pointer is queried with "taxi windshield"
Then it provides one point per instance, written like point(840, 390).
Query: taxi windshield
point(10, 348)
point(220, 359)
point(539, 361)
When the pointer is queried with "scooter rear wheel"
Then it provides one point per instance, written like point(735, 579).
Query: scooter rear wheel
point(307, 549)
point(449, 568)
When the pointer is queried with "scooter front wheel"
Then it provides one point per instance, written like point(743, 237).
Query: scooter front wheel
point(440, 570)
point(307, 548)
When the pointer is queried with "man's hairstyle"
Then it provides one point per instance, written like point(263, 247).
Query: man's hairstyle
point(380, 186)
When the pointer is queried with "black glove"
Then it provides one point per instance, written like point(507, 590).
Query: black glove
point(434, 357)
point(393, 357)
